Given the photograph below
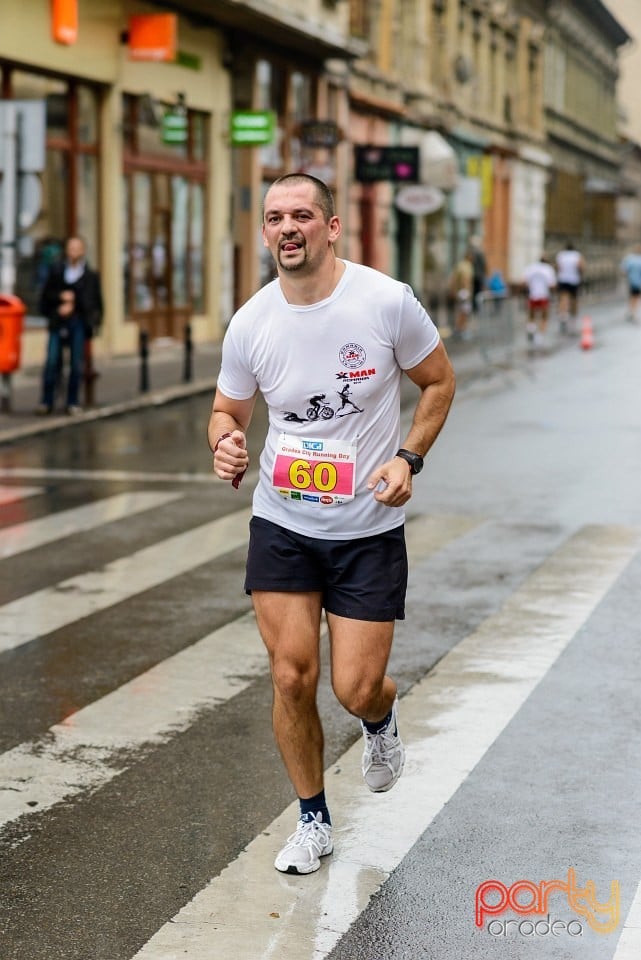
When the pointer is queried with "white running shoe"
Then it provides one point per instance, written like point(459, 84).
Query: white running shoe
point(303, 850)
point(384, 755)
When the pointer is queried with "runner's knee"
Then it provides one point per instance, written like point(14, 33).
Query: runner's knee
point(359, 694)
point(294, 680)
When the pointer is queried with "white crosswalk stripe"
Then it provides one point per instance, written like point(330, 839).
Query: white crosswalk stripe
point(85, 750)
point(47, 610)
point(629, 945)
point(36, 533)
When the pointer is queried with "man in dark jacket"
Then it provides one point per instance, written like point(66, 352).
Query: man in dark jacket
point(72, 303)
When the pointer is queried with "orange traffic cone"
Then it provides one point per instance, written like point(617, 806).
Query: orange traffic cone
point(587, 334)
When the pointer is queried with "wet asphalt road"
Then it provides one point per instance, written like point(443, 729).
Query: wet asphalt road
point(528, 512)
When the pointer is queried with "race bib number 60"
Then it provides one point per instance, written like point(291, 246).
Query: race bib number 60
point(315, 471)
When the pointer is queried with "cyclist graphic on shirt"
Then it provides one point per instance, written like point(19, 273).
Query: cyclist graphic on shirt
point(319, 409)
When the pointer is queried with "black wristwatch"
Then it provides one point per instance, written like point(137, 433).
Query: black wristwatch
point(415, 460)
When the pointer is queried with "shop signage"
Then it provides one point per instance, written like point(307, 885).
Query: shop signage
point(482, 166)
point(397, 164)
point(251, 128)
point(152, 36)
point(320, 133)
point(64, 21)
point(467, 199)
point(419, 199)
point(174, 127)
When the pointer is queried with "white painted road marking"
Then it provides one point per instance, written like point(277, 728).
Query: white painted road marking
point(52, 473)
point(448, 720)
point(54, 607)
point(629, 945)
point(36, 533)
point(85, 750)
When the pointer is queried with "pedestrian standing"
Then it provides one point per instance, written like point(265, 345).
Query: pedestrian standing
point(631, 268)
point(72, 302)
point(539, 279)
point(462, 290)
point(479, 266)
point(570, 269)
point(327, 527)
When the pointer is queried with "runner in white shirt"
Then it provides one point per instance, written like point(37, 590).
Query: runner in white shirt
point(540, 280)
point(570, 268)
point(326, 344)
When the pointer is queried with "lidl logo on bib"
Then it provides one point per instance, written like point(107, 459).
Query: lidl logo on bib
point(314, 471)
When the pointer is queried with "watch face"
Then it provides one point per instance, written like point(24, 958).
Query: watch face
point(414, 459)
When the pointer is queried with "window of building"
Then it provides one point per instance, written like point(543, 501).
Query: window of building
point(439, 47)
point(165, 183)
point(291, 94)
point(359, 18)
point(68, 185)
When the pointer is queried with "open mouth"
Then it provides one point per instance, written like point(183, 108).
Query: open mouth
point(290, 246)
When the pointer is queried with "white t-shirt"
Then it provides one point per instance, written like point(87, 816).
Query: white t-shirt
point(568, 265)
point(540, 278)
point(331, 370)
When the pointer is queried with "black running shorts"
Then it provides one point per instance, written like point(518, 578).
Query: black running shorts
point(361, 579)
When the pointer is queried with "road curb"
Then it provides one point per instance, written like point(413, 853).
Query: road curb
point(155, 398)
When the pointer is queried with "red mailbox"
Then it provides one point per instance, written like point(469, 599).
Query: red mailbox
point(12, 311)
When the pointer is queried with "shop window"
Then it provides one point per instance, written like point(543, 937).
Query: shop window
point(87, 196)
point(87, 115)
point(55, 93)
point(359, 18)
point(291, 95)
point(180, 240)
point(272, 87)
point(69, 182)
point(196, 226)
point(164, 218)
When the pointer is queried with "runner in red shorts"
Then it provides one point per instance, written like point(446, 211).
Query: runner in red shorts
point(540, 280)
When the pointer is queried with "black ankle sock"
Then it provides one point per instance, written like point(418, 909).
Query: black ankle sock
point(379, 724)
point(315, 805)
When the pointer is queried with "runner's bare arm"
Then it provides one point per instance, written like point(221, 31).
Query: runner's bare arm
point(435, 379)
point(231, 417)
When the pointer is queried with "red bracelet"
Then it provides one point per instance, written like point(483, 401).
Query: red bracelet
point(236, 481)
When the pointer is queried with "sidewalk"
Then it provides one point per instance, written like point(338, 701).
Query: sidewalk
point(117, 389)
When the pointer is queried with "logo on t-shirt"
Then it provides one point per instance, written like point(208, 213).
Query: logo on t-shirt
point(352, 355)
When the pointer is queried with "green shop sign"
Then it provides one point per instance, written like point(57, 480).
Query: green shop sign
point(252, 127)
point(174, 128)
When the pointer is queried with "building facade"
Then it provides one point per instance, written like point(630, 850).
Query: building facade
point(432, 121)
point(583, 42)
point(138, 153)
point(629, 202)
point(155, 222)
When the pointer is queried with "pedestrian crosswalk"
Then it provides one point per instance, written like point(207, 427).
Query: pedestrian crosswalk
point(455, 705)
point(28, 618)
point(36, 533)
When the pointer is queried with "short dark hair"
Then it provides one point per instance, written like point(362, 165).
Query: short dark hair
point(323, 195)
